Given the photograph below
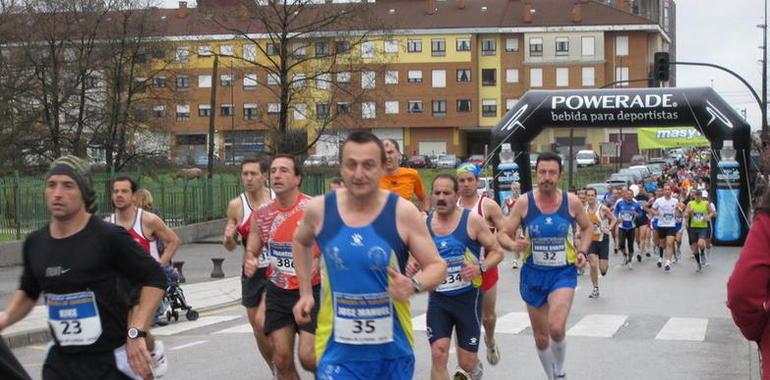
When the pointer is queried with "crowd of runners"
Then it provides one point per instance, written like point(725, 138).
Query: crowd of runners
point(333, 275)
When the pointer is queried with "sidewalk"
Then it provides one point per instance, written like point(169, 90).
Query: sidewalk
point(201, 296)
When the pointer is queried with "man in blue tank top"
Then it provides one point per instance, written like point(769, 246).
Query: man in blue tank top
point(365, 236)
point(549, 274)
point(459, 235)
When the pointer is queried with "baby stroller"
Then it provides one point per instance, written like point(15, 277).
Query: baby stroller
point(174, 300)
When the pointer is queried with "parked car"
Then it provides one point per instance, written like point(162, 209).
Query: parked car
point(418, 162)
point(447, 161)
point(204, 160)
point(315, 160)
point(477, 159)
point(586, 158)
point(656, 168)
point(601, 188)
point(643, 169)
point(635, 174)
point(623, 179)
point(638, 159)
point(485, 187)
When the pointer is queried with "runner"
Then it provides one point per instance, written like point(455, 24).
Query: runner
point(365, 234)
point(681, 206)
point(273, 226)
point(489, 210)
point(549, 274)
point(627, 210)
point(712, 209)
point(643, 223)
point(80, 262)
point(508, 203)
point(698, 213)
point(239, 211)
point(603, 222)
point(405, 182)
point(459, 235)
point(665, 210)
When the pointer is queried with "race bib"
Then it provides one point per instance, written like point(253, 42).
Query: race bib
point(698, 216)
point(627, 217)
point(549, 252)
point(74, 318)
point(363, 319)
point(597, 228)
point(281, 258)
point(453, 280)
point(264, 258)
point(667, 219)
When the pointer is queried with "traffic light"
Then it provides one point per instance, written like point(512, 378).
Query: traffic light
point(660, 70)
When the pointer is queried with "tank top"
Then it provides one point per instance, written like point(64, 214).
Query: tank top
point(551, 236)
point(596, 220)
point(149, 245)
point(699, 212)
point(357, 319)
point(458, 250)
point(479, 208)
point(245, 226)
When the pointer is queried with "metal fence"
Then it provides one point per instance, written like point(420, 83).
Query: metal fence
point(179, 201)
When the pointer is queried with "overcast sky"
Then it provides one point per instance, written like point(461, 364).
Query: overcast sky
point(719, 32)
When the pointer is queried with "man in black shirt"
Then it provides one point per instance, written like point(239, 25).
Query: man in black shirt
point(81, 264)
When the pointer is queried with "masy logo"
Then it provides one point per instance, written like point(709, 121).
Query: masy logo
point(514, 120)
point(358, 240)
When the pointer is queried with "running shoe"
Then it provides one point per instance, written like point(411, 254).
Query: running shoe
point(594, 293)
point(648, 254)
point(493, 354)
point(639, 258)
point(515, 264)
point(700, 267)
point(630, 264)
point(660, 263)
point(159, 360)
point(461, 375)
point(668, 267)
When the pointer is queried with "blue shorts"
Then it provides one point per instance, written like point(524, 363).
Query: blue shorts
point(390, 369)
point(461, 312)
point(678, 227)
point(536, 284)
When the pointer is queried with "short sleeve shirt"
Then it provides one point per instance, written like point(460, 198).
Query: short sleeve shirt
point(405, 182)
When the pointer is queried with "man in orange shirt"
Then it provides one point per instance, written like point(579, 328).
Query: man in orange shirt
point(405, 182)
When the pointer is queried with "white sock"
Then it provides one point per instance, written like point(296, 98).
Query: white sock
point(546, 358)
point(559, 350)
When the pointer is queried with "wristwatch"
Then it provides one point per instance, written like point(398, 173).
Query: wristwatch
point(417, 285)
point(482, 267)
point(135, 333)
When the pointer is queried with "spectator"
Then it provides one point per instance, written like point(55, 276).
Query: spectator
point(143, 200)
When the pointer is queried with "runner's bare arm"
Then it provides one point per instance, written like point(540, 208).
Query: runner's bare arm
point(513, 223)
point(162, 232)
point(494, 214)
point(21, 304)
point(609, 215)
point(304, 237)
point(253, 248)
point(411, 227)
point(481, 233)
point(231, 228)
point(585, 225)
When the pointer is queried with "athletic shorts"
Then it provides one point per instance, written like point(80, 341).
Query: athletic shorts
point(696, 233)
point(641, 221)
point(600, 248)
point(489, 279)
point(536, 284)
point(678, 227)
point(102, 365)
point(386, 369)
point(664, 232)
point(461, 312)
point(654, 224)
point(626, 239)
point(253, 287)
point(710, 230)
point(279, 304)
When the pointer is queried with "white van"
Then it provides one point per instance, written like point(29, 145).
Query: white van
point(586, 158)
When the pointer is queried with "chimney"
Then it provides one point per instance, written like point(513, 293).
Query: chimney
point(577, 13)
point(183, 11)
point(529, 12)
point(460, 4)
point(430, 7)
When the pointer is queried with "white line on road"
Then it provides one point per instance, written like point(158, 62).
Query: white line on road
point(418, 323)
point(512, 323)
point(177, 328)
point(597, 325)
point(692, 329)
point(188, 345)
point(239, 329)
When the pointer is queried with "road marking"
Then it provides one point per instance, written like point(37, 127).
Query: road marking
point(598, 325)
point(512, 323)
point(239, 329)
point(690, 329)
point(176, 328)
point(418, 323)
point(191, 344)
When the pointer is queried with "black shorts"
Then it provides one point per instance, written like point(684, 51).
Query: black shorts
point(279, 303)
point(664, 232)
point(710, 232)
point(461, 313)
point(626, 236)
point(59, 365)
point(695, 234)
point(253, 287)
point(600, 248)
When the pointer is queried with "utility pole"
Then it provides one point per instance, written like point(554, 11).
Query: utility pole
point(764, 73)
point(212, 116)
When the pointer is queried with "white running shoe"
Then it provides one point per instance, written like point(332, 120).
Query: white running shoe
point(159, 360)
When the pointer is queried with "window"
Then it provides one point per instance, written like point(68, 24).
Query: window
point(204, 81)
point(182, 112)
point(463, 105)
point(298, 81)
point(536, 47)
point(391, 77)
point(510, 103)
point(160, 82)
point(343, 77)
point(588, 76)
point(488, 77)
point(488, 46)
point(204, 110)
point(368, 110)
point(621, 74)
point(204, 51)
point(341, 47)
point(273, 79)
point(439, 78)
point(300, 111)
point(439, 107)
point(321, 111)
point(140, 85)
point(141, 55)
point(414, 46)
point(159, 111)
point(226, 50)
point(562, 77)
point(464, 75)
point(226, 80)
point(414, 76)
point(391, 46)
point(535, 77)
point(250, 52)
point(415, 106)
point(273, 49)
point(562, 46)
point(511, 44)
point(159, 52)
point(343, 107)
point(463, 44)
point(273, 108)
point(512, 75)
point(322, 81)
point(489, 107)
point(367, 49)
point(182, 54)
point(299, 50)
point(250, 112)
point(321, 49)
point(226, 110)
point(250, 81)
point(621, 46)
point(588, 46)
point(368, 80)
point(391, 107)
point(182, 82)
point(438, 47)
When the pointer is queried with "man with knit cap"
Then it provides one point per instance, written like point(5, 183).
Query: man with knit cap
point(79, 262)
